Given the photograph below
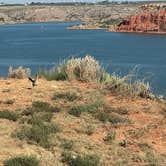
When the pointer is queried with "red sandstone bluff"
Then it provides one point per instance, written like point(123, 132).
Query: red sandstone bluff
point(151, 19)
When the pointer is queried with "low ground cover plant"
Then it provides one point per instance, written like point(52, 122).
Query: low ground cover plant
point(22, 161)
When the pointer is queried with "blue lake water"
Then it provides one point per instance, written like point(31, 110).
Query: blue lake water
point(44, 44)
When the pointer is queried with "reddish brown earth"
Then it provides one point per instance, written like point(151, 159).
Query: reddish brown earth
point(145, 136)
point(151, 19)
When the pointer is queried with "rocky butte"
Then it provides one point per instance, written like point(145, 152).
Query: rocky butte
point(151, 19)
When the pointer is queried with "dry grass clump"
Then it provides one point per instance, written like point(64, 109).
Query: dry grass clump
point(126, 86)
point(84, 69)
point(67, 96)
point(19, 73)
point(89, 69)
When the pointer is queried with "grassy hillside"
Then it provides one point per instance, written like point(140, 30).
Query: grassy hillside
point(79, 122)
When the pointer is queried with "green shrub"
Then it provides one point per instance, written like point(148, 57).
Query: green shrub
point(40, 117)
point(38, 133)
point(77, 160)
point(39, 106)
point(5, 114)
point(77, 110)
point(66, 96)
point(102, 116)
point(89, 108)
point(54, 74)
point(22, 161)
point(27, 112)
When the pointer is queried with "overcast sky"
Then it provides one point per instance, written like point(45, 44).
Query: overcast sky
point(23, 1)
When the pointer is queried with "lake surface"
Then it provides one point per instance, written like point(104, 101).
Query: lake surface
point(44, 44)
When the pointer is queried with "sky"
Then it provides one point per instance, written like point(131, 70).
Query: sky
point(23, 1)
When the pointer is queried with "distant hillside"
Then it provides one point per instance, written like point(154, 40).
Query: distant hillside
point(48, 13)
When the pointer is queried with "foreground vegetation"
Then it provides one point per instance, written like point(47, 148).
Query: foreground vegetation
point(87, 120)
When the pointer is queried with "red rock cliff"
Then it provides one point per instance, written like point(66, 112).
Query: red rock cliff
point(150, 20)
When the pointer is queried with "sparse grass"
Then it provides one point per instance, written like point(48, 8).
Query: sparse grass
point(110, 137)
point(138, 132)
point(40, 117)
point(38, 133)
point(68, 96)
point(164, 112)
point(122, 111)
point(22, 161)
point(78, 160)
point(88, 129)
point(127, 86)
point(151, 158)
point(56, 73)
point(9, 102)
point(115, 119)
point(5, 114)
point(67, 144)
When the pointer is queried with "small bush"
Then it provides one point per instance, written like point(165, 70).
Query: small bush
point(22, 161)
point(128, 85)
point(84, 69)
point(19, 73)
point(89, 108)
point(114, 119)
point(27, 112)
point(5, 114)
point(122, 111)
point(66, 96)
point(38, 133)
point(10, 102)
point(40, 117)
point(77, 160)
point(102, 116)
point(39, 106)
point(77, 110)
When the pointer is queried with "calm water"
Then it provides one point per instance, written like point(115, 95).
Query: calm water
point(42, 45)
